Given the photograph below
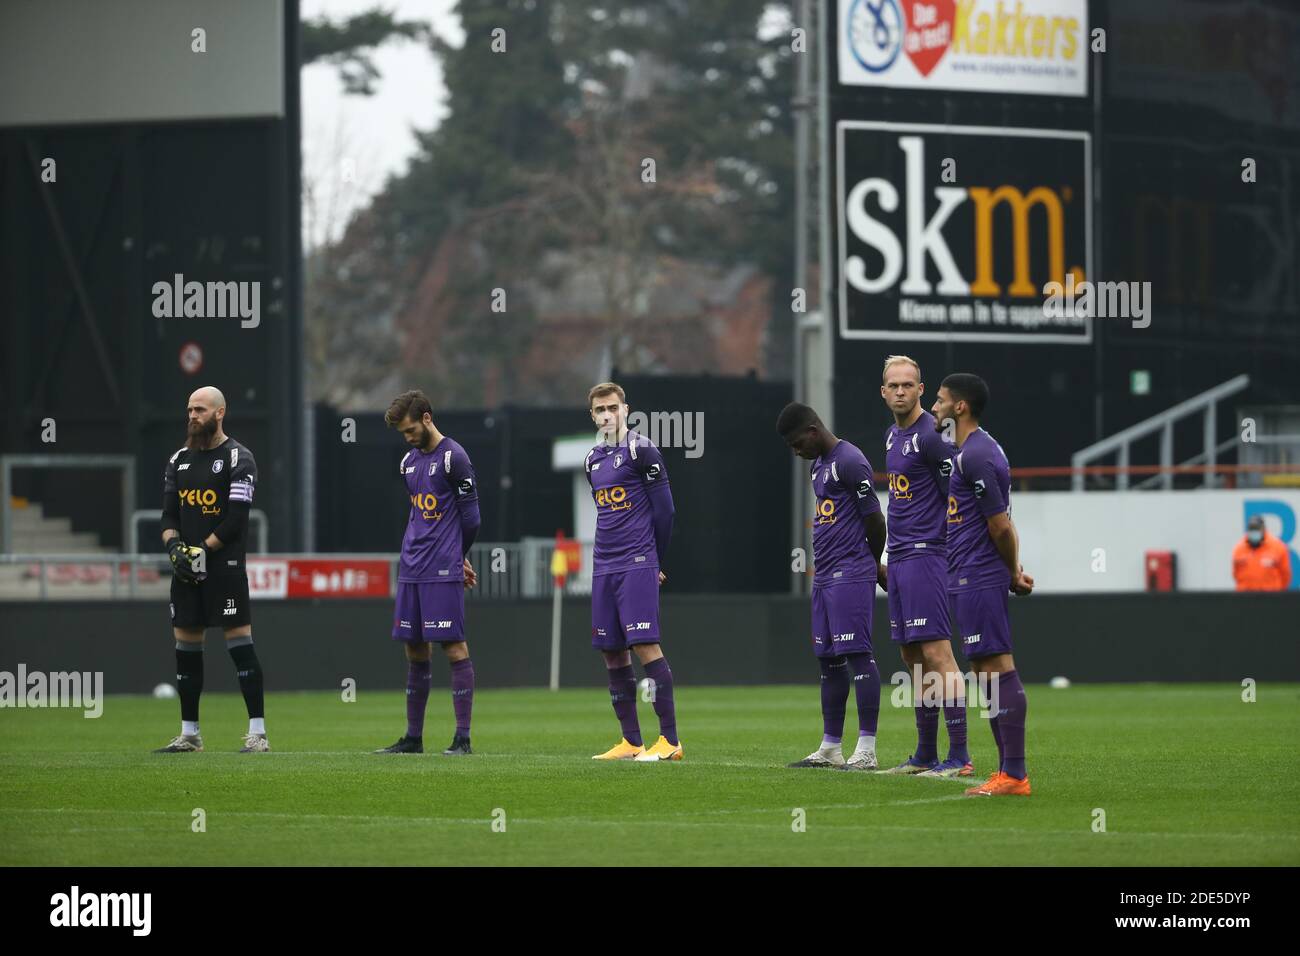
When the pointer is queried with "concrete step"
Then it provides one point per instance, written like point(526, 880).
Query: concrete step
point(32, 532)
point(29, 519)
point(65, 542)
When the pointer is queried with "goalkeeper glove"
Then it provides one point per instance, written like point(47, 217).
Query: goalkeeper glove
point(185, 560)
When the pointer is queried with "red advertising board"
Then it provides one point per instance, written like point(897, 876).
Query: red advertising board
point(279, 578)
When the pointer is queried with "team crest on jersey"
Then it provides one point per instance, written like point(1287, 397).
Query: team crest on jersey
point(432, 468)
point(618, 460)
point(826, 474)
point(216, 466)
point(908, 446)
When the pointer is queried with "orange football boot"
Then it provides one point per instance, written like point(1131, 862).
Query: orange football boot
point(1001, 785)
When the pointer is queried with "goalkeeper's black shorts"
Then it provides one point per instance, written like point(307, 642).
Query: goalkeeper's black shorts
point(219, 601)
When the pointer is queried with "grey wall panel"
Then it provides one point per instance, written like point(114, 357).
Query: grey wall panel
point(96, 61)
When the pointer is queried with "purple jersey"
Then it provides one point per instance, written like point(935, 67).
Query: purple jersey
point(441, 483)
point(919, 462)
point(621, 478)
point(980, 488)
point(841, 481)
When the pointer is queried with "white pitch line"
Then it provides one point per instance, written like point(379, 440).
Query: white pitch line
point(780, 813)
point(909, 803)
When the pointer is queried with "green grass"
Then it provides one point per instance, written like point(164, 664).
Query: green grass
point(1186, 775)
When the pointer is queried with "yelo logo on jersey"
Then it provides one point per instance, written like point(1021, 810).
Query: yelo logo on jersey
point(826, 511)
point(614, 498)
point(899, 485)
point(953, 517)
point(206, 499)
point(428, 505)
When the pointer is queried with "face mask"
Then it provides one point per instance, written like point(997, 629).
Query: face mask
point(1255, 537)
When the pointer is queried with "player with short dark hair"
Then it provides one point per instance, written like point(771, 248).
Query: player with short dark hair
point(848, 540)
point(434, 570)
point(983, 568)
point(634, 524)
point(207, 494)
point(919, 462)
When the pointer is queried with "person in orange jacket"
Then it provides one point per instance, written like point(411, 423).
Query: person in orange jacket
point(1260, 562)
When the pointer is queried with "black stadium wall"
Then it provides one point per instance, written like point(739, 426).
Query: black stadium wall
point(709, 639)
point(89, 340)
point(732, 527)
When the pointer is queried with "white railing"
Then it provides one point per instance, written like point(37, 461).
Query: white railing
point(256, 524)
point(1204, 404)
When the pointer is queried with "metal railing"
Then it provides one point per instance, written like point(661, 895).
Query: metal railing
point(1205, 404)
point(256, 520)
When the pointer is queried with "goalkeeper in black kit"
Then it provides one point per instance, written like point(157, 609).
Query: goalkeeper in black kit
point(207, 494)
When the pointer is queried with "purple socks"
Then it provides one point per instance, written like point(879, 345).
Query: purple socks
point(835, 696)
point(954, 717)
point(462, 694)
point(866, 688)
point(1011, 724)
point(622, 694)
point(659, 672)
point(418, 679)
point(927, 733)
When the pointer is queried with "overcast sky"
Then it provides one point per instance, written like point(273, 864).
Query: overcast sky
point(351, 144)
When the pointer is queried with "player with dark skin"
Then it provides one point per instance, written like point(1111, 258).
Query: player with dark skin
point(849, 536)
point(812, 443)
point(424, 435)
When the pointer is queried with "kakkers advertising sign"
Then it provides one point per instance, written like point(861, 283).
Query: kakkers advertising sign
point(1001, 46)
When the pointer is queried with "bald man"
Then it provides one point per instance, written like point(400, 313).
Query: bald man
point(207, 494)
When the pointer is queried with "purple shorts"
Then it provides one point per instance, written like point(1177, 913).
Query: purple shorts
point(983, 622)
point(430, 612)
point(918, 599)
point(841, 618)
point(625, 608)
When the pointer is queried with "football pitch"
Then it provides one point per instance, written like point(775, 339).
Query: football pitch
point(1184, 775)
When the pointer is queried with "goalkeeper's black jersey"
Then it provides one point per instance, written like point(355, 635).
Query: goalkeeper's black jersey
point(207, 491)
